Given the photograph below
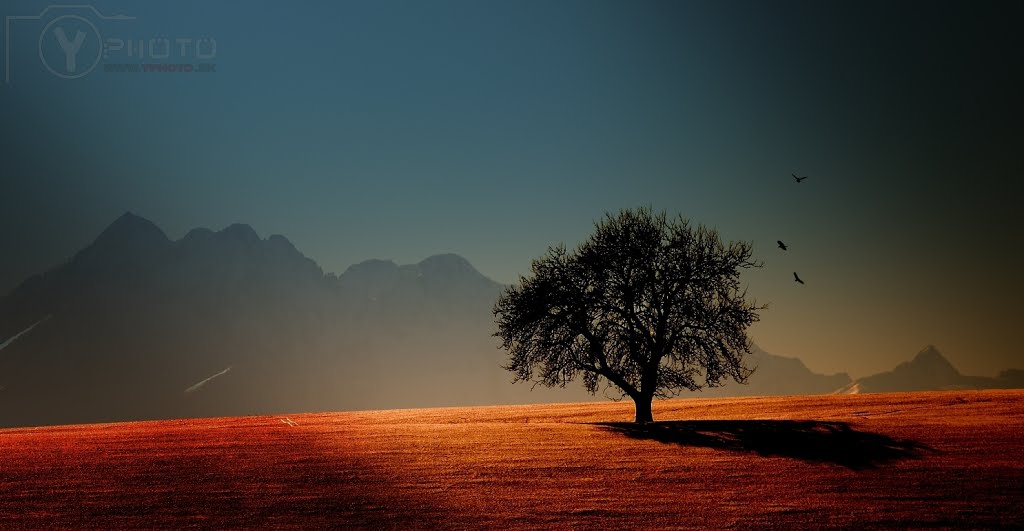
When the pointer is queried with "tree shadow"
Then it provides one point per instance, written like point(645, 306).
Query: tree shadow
point(806, 440)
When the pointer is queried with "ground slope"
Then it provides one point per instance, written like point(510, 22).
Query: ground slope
point(946, 459)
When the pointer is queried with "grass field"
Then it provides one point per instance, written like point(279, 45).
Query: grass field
point(944, 459)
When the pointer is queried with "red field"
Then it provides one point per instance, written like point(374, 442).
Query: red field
point(949, 459)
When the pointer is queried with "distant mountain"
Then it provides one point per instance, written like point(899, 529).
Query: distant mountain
point(137, 326)
point(930, 370)
point(135, 318)
point(779, 375)
point(246, 325)
point(445, 281)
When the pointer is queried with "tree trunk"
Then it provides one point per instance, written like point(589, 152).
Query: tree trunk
point(643, 409)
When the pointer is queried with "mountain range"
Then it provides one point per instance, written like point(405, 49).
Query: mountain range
point(139, 326)
point(929, 370)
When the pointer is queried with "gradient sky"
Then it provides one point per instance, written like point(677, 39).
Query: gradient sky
point(403, 129)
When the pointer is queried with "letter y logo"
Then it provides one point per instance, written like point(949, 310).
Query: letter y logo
point(70, 47)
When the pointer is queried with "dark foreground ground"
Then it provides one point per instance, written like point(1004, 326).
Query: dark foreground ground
point(948, 459)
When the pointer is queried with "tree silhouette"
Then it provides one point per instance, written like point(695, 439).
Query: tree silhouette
point(648, 305)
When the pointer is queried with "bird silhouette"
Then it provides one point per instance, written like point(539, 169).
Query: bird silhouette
point(797, 277)
point(782, 246)
point(799, 179)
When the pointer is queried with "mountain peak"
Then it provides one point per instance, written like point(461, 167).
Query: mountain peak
point(130, 244)
point(130, 217)
point(131, 228)
point(931, 357)
point(198, 233)
point(240, 232)
point(373, 265)
point(928, 370)
point(929, 353)
point(278, 241)
point(448, 262)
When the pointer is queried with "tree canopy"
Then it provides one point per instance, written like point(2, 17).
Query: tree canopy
point(648, 305)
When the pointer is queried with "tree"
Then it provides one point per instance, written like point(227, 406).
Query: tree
point(647, 305)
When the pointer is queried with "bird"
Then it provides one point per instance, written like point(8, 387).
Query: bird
point(799, 179)
point(782, 246)
point(797, 277)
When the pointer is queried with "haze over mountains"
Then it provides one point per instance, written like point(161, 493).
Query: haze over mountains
point(137, 326)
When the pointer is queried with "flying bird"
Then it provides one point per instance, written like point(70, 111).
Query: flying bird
point(797, 277)
point(799, 179)
point(782, 246)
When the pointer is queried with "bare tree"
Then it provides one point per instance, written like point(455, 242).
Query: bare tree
point(648, 305)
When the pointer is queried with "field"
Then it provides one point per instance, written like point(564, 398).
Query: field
point(944, 459)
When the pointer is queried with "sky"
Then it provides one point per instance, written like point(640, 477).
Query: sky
point(399, 130)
